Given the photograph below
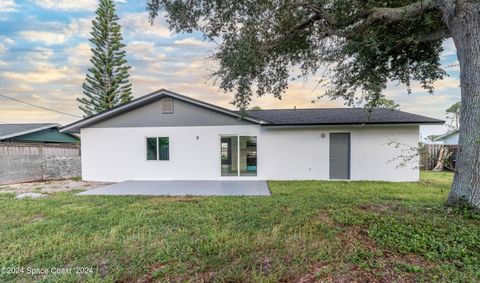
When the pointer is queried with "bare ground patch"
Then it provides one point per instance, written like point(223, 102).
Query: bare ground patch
point(49, 187)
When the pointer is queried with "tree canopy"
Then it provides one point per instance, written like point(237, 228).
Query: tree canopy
point(106, 84)
point(358, 45)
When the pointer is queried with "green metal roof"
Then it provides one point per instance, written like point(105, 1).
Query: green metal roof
point(35, 133)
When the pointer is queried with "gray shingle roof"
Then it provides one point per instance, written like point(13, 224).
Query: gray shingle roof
point(275, 117)
point(12, 130)
point(338, 116)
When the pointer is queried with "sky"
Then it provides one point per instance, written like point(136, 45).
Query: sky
point(45, 52)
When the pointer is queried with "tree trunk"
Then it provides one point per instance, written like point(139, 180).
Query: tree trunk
point(440, 160)
point(463, 21)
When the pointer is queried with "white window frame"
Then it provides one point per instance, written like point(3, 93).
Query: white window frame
point(157, 157)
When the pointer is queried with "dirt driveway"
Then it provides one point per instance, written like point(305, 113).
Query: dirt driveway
point(49, 187)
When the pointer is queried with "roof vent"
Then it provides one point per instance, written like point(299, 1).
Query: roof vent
point(167, 105)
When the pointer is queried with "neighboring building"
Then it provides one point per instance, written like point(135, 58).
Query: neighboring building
point(449, 138)
point(35, 133)
point(168, 136)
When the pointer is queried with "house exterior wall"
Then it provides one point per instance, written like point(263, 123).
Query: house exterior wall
point(451, 140)
point(370, 154)
point(184, 114)
point(119, 154)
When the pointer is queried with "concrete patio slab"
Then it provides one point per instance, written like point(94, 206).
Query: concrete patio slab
point(184, 188)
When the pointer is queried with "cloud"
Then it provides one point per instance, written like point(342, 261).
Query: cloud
point(447, 83)
point(190, 41)
point(144, 51)
point(79, 55)
point(39, 55)
point(134, 24)
point(79, 28)
point(70, 5)
point(8, 41)
point(3, 49)
point(42, 74)
point(8, 6)
point(23, 87)
point(137, 24)
point(49, 38)
point(198, 66)
point(67, 5)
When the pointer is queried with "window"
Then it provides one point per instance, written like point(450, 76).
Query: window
point(158, 148)
point(167, 105)
point(163, 149)
point(151, 148)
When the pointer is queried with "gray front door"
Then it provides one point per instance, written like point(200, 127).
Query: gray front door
point(339, 156)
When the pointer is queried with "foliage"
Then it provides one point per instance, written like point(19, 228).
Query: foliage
point(410, 155)
point(106, 84)
point(350, 231)
point(453, 113)
point(356, 50)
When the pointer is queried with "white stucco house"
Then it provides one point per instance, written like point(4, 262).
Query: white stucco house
point(168, 136)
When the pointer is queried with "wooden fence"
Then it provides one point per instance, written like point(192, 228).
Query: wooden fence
point(46, 150)
point(430, 152)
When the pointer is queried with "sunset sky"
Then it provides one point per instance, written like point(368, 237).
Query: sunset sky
point(44, 54)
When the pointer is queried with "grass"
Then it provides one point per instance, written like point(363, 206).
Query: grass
point(307, 230)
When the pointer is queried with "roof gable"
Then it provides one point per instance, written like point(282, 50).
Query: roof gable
point(148, 99)
point(182, 114)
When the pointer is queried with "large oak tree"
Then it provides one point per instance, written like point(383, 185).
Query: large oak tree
point(363, 44)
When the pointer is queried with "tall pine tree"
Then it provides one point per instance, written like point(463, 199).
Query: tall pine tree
point(106, 84)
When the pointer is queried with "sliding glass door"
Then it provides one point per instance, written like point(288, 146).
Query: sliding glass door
point(238, 155)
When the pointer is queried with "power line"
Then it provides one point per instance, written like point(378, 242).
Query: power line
point(38, 106)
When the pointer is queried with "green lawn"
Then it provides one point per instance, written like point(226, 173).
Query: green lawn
point(307, 230)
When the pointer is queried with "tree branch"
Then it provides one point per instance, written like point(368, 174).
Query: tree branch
point(421, 38)
point(369, 17)
point(365, 19)
point(392, 15)
point(440, 34)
